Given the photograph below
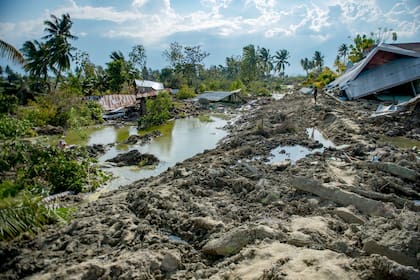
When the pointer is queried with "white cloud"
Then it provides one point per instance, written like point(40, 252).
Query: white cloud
point(27, 30)
point(138, 3)
point(152, 21)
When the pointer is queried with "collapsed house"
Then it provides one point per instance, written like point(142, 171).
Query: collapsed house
point(390, 72)
point(219, 96)
point(121, 105)
point(145, 86)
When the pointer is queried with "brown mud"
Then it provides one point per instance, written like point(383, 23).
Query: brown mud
point(229, 213)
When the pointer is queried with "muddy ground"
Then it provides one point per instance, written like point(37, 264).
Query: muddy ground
point(228, 213)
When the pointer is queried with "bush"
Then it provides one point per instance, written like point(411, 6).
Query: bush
point(44, 169)
point(69, 112)
point(237, 85)
point(11, 128)
point(258, 89)
point(157, 111)
point(96, 111)
point(185, 92)
point(8, 103)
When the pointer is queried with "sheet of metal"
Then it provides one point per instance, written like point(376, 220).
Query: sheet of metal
point(343, 82)
point(383, 77)
point(115, 101)
point(149, 84)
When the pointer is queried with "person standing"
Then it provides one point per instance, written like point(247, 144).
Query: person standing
point(315, 93)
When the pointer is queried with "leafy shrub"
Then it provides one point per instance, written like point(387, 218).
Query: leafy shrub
point(68, 112)
point(237, 85)
point(258, 88)
point(66, 175)
point(157, 111)
point(185, 92)
point(8, 103)
point(11, 128)
point(95, 111)
point(44, 169)
point(205, 118)
point(37, 115)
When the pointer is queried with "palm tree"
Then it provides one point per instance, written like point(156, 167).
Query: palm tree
point(280, 59)
point(58, 30)
point(248, 63)
point(265, 61)
point(233, 66)
point(304, 62)
point(318, 60)
point(117, 55)
point(10, 52)
point(37, 62)
point(343, 51)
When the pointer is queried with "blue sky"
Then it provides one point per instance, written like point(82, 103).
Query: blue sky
point(221, 27)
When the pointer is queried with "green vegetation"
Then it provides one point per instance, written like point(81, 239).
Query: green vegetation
point(29, 172)
point(26, 213)
point(11, 128)
point(185, 93)
point(157, 111)
point(46, 170)
point(205, 118)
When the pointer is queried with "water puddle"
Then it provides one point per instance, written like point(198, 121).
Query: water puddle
point(180, 140)
point(317, 136)
point(297, 152)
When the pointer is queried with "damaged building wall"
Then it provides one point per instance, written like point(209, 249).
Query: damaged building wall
point(389, 75)
point(384, 68)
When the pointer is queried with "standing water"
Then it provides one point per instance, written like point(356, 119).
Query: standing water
point(296, 152)
point(180, 140)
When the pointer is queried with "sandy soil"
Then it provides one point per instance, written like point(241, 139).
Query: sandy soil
point(229, 213)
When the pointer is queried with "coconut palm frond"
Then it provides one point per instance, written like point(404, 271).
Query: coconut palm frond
point(21, 214)
point(10, 52)
point(26, 213)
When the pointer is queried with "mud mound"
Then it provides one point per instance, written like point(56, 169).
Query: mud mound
point(228, 213)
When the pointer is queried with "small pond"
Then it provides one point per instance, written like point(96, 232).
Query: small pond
point(180, 140)
point(297, 152)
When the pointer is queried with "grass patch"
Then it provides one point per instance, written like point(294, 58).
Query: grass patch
point(205, 118)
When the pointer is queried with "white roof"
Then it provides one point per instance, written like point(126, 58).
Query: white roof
point(149, 84)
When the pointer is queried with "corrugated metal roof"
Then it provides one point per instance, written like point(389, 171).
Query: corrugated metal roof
point(387, 76)
point(213, 95)
point(149, 84)
point(115, 101)
point(343, 82)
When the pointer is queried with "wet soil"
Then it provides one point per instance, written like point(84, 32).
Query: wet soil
point(230, 213)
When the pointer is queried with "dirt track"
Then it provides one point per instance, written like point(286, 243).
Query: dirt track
point(229, 214)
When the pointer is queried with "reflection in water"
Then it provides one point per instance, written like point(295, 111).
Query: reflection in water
point(296, 152)
point(316, 135)
point(100, 135)
point(181, 139)
point(292, 153)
